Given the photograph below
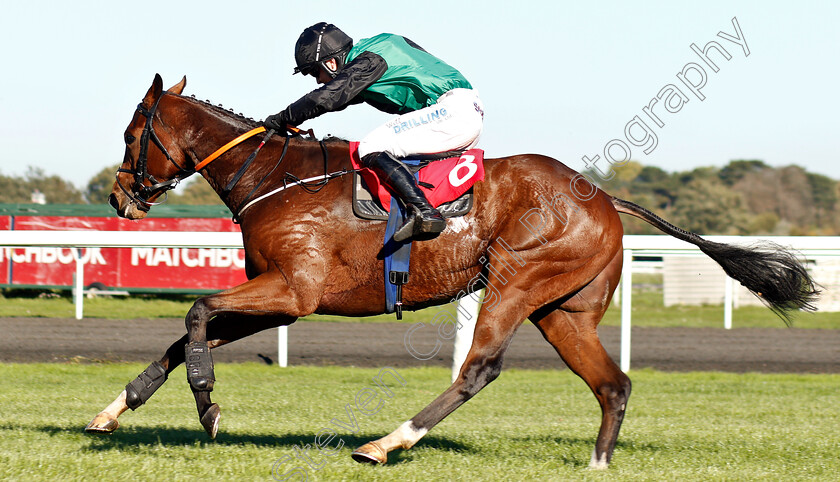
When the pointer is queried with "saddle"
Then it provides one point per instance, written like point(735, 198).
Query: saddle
point(446, 179)
point(447, 184)
point(366, 207)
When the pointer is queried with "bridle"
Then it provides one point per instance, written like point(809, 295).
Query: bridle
point(140, 192)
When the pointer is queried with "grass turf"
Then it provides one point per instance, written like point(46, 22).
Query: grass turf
point(648, 310)
point(527, 425)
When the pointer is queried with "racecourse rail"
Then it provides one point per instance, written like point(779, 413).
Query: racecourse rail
point(653, 245)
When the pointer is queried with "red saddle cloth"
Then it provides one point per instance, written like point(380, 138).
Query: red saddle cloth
point(450, 177)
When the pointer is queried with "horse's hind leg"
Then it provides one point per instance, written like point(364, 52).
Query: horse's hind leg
point(493, 333)
point(572, 330)
point(142, 387)
point(578, 344)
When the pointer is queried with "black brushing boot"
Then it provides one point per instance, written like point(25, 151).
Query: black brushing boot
point(424, 221)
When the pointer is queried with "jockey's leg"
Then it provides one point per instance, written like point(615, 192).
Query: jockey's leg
point(454, 123)
point(424, 221)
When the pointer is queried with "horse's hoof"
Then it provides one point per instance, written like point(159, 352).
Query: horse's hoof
point(370, 453)
point(210, 420)
point(102, 423)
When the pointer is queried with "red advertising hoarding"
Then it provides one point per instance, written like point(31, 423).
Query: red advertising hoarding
point(141, 269)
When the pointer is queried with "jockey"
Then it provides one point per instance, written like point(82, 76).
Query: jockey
point(438, 111)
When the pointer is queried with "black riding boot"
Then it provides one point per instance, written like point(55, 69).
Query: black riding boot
point(424, 221)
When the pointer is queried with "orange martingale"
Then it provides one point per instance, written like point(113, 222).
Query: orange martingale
point(212, 157)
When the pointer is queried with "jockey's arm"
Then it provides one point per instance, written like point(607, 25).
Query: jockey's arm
point(339, 92)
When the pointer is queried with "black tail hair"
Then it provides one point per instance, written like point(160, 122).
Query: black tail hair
point(771, 272)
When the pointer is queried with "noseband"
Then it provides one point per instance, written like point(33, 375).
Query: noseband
point(140, 192)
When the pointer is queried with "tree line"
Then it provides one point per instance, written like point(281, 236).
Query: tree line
point(19, 189)
point(746, 197)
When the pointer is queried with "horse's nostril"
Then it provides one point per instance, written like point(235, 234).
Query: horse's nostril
point(112, 200)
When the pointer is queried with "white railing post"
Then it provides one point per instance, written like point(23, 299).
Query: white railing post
point(283, 346)
point(647, 244)
point(626, 305)
point(79, 284)
point(467, 315)
point(728, 286)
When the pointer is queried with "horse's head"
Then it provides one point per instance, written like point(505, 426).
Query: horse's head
point(152, 163)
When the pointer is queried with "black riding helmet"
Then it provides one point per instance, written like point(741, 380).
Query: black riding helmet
point(319, 43)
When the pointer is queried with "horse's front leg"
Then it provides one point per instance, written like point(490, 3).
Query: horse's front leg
point(220, 332)
point(199, 362)
point(269, 295)
point(139, 390)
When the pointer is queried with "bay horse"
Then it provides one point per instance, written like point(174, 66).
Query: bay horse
point(307, 253)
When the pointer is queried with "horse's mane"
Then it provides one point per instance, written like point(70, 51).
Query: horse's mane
point(249, 122)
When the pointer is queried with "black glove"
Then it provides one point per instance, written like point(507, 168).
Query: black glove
point(276, 122)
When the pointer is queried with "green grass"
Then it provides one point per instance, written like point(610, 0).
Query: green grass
point(527, 425)
point(60, 305)
point(648, 310)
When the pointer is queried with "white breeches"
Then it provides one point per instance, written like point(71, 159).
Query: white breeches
point(454, 123)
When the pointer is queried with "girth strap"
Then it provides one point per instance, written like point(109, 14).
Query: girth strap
point(397, 257)
point(398, 279)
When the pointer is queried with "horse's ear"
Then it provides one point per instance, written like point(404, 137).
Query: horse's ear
point(178, 88)
point(154, 91)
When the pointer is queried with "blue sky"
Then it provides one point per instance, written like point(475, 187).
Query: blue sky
point(557, 78)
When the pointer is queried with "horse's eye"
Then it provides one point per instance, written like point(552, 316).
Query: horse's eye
point(129, 139)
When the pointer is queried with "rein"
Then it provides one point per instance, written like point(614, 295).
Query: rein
point(311, 185)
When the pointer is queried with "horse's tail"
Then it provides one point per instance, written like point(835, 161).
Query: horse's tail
point(769, 271)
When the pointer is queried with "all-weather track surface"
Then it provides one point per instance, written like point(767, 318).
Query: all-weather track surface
point(766, 350)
